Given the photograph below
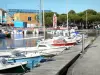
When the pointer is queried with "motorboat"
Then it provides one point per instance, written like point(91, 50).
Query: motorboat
point(16, 56)
point(60, 41)
point(14, 67)
point(42, 48)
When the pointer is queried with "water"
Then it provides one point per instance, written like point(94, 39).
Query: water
point(10, 42)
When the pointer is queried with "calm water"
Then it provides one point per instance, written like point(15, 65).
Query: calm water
point(4, 43)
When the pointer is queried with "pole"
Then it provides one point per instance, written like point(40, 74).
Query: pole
point(40, 14)
point(83, 43)
point(67, 19)
point(86, 20)
point(43, 19)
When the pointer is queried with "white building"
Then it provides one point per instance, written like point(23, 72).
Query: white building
point(3, 15)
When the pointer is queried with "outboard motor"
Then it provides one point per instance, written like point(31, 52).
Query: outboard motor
point(3, 60)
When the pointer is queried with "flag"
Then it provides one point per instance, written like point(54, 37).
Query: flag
point(54, 21)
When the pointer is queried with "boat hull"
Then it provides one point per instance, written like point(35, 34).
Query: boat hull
point(31, 61)
point(17, 69)
point(64, 44)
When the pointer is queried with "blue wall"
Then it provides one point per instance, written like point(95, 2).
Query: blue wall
point(20, 24)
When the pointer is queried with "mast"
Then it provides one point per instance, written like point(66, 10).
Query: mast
point(67, 20)
point(43, 23)
point(40, 14)
point(67, 17)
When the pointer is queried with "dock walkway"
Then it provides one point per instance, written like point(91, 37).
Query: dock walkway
point(61, 60)
point(89, 63)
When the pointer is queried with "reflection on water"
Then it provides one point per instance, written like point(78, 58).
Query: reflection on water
point(4, 43)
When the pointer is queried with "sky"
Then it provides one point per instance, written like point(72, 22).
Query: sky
point(59, 6)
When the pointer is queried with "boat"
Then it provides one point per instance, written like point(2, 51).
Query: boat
point(16, 56)
point(42, 48)
point(61, 38)
point(60, 41)
point(14, 67)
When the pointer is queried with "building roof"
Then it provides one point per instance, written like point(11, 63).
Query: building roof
point(13, 11)
point(3, 10)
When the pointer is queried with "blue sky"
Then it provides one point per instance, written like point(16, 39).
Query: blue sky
point(60, 6)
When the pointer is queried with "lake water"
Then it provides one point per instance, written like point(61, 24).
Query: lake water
point(11, 42)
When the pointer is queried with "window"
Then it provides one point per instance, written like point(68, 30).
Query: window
point(29, 18)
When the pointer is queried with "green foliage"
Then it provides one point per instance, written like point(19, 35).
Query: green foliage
point(62, 18)
point(71, 12)
point(90, 11)
point(48, 21)
point(80, 14)
point(73, 17)
point(49, 18)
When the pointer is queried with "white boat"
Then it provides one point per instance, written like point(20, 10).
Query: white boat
point(17, 67)
point(61, 41)
point(42, 48)
point(16, 56)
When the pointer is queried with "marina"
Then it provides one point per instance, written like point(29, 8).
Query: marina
point(45, 40)
point(50, 59)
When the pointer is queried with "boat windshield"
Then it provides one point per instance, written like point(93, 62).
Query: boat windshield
point(45, 44)
point(6, 56)
point(18, 54)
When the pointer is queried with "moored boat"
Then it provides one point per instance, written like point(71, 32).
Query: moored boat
point(6, 67)
point(42, 48)
point(16, 56)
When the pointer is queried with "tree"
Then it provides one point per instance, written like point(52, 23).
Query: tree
point(73, 17)
point(62, 19)
point(71, 12)
point(48, 21)
point(90, 11)
point(49, 18)
point(80, 14)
